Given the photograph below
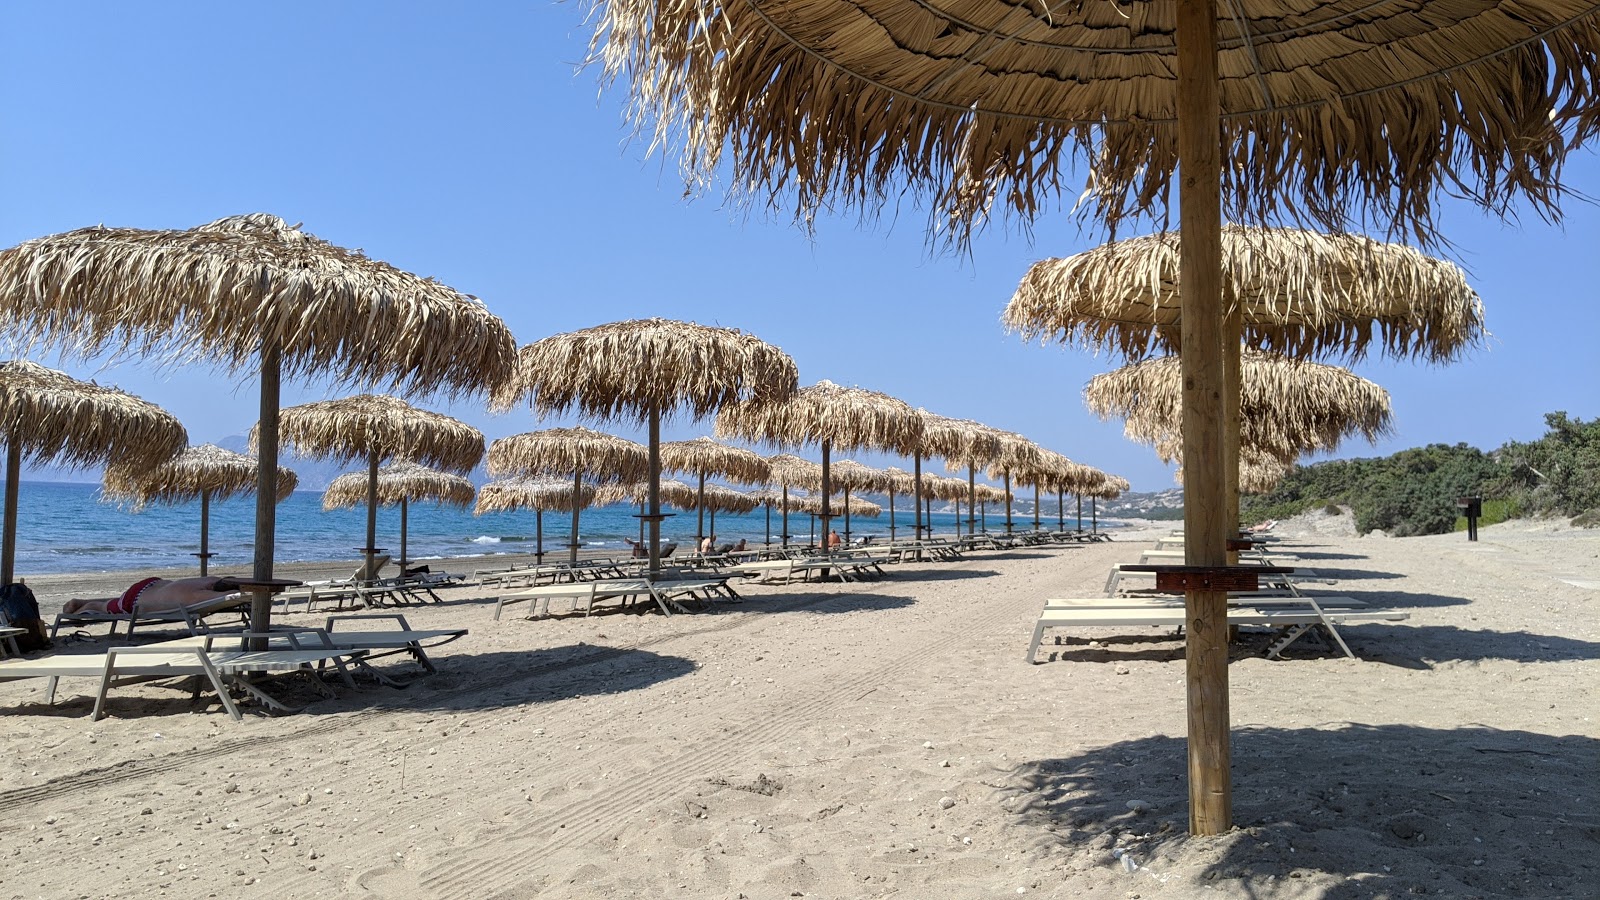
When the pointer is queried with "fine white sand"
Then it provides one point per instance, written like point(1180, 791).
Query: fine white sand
point(865, 740)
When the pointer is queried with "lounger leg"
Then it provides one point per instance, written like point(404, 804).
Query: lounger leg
point(219, 684)
point(50, 694)
point(105, 685)
point(1033, 646)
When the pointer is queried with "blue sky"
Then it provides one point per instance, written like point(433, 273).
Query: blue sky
point(466, 145)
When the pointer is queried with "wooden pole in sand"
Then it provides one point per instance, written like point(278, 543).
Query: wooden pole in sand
point(8, 568)
point(266, 491)
point(1205, 504)
point(205, 529)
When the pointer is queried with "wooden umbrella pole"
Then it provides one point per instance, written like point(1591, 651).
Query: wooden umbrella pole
point(538, 536)
point(402, 537)
point(766, 540)
point(1205, 507)
point(1036, 506)
point(654, 494)
point(713, 531)
point(1232, 398)
point(1061, 518)
point(916, 475)
point(1006, 478)
point(972, 501)
point(891, 513)
point(1079, 499)
point(371, 550)
point(785, 526)
point(266, 491)
point(700, 513)
point(983, 516)
point(8, 556)
point(577, 488)
point(205, 530)
point(847, 517)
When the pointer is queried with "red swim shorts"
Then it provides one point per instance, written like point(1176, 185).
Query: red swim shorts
point(125, 604)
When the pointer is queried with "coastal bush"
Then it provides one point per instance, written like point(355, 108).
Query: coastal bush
point(1412, 492)
point(1558, 474)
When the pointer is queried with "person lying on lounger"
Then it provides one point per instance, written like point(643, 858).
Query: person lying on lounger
point(150, 595)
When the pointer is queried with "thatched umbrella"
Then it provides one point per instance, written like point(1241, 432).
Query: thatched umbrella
point(1017, 453)
point(541, 494)
point(1323, 111)
point(48, 416)
point(787, 471)
point(1047, 472)
point(832, 415)
point(580, 451)
point(203, 473)
point(704, 457)
point(373, 428)
point(718, 498)
point(401, 482)
point(1287, 406)
point(253, 293)
point(963, 441)
point(897, 480)
point(939, 487)
point(1258, 472)
point(848, 475)
point(646, 369)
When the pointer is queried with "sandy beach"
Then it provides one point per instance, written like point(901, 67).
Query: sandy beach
point(877, 739)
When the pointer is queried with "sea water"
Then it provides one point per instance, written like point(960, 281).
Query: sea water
point(64, 528)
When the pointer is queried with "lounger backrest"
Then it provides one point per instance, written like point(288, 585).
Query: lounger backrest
point(378, 562)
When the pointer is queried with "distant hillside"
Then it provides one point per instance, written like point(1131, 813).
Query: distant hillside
point(1167, 504)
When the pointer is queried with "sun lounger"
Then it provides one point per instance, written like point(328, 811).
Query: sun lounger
point(666, 593)
point(8, 639)
point(193, 617)
point(199, 657)
point(1295, 620)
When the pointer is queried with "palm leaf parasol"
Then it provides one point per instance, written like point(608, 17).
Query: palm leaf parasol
point(203, 473)
point(834, 416)
point(400, 483)
point(646, 369)
point(46, 416)
point(787, 470)
point(542, 494)
point(1287, 406)
point(373, 428)
point(1330, 112)
point(580, 451)
point(253, 293)
point(899, 481)
point(849, 475)
point(703, 457)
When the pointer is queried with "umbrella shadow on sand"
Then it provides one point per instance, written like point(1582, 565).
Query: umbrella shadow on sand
point(825, 604)
point(531, 677)
point(1396, 599)
point(1347, 811)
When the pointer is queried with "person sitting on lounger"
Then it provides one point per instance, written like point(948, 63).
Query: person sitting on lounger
point(833, 540)
point(707, 543)
point(150, 595)
point(740, 547)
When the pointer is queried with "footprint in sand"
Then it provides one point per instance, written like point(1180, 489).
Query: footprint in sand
point(388, 881)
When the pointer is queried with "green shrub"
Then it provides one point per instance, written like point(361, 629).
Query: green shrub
point(1332, 509)
point(1590, 519)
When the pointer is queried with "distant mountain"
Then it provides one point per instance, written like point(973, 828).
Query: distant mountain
point(1167, 504)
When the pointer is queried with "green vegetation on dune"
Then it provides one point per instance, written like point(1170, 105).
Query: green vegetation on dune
point(1415, 491)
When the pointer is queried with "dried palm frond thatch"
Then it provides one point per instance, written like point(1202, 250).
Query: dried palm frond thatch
point(647, 369)
point(206, 472)
point(822, 104)
point(541, 494)
point(600, 457)
point(592, 454)
point(704, 457)
point(1258, 473)
point(708, 457)
point(400, 483)
point(849, 475)
point(629, 370)
point(839, 417)
point(961, 441)
point(368, 426)
point(1287, 406)
point(373, 428)
point(794, 471)
point(1298, 292)
point(46, 415)
point(203, 473)
point(221, 292)
point(252, 292)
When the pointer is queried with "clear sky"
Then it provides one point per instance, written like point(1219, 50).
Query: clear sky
point(462, 142)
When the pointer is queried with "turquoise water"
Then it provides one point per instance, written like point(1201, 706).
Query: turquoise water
point(64, 528)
